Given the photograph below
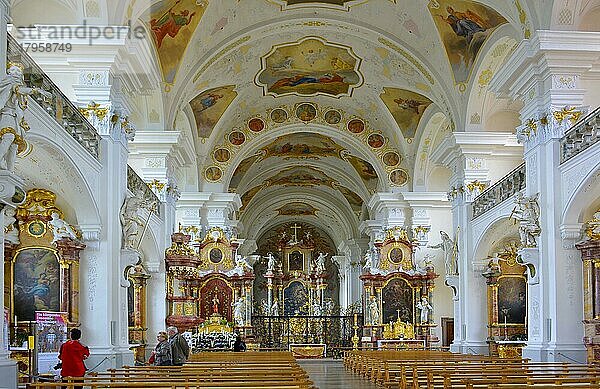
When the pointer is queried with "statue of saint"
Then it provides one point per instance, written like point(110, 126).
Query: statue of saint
point(317, 309)
point(320, 263)
point(61, 229)
point(425, 308)
point(238, 311)
point(131, 220)
point(13, 102)
point(11, 232)
point(270, 263)
point(527, 212)
point(241, 263)
point(368, 259)
point(215, 302)
point(275, 308)
point(374, 311)
point(264, 305)
point(450, 249)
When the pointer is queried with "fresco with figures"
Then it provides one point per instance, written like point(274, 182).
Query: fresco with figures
point(406, 107)
point(172, 24)
point(37, 283)
point(302, 145)
point(464, 27)
point(297, 208)
point(209, 106)
point(366, 171)
point(309, 67)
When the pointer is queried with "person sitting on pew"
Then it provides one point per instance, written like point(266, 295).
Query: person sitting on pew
point(239, 344)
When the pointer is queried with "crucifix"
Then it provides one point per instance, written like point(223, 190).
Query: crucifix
point(295, 227)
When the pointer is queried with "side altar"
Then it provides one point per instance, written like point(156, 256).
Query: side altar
point(397, 293)
point(208, 284)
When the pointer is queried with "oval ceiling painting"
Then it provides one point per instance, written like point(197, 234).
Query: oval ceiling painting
point(306, 112)
point(236, 138)
point(222, 155)
point(391, 158)
point(332, 117)
point(213, 174)
point(376, 141)
point(279, 115)
point(356, 126)
point(256, 125)
point(398, 177)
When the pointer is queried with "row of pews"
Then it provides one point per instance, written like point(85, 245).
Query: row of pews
point(418, 369)
point(222, 370)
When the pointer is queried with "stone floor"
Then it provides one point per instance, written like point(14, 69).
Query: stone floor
point(330, 374)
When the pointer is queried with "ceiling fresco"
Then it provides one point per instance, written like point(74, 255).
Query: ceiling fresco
point(310, 67)
point(406, 107)
point(464, 27)
point(297, 208)
point(302, 145)
point(172, 24)
point(209, 106)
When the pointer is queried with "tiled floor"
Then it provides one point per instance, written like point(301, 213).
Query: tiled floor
point(330, 374)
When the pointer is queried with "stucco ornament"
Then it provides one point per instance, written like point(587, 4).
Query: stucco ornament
point(527, 213)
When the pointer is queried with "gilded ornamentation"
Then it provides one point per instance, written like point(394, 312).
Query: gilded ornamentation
point(155, 184)
point(592, 227)
point(180, 248)
point(399, 330)
point(567, 113)
point(397, 233)
point(95, 109)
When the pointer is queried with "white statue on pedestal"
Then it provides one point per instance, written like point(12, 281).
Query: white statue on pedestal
point(131, 220)
point(425, 308)
point(13, 102)
point(450, 249)
point(238, 311)
point(264, 305)
point(240, 266)
point(527, 212)
point(61, 229)
point(270, 263)
point(275, 308)
point(11, 232)
point(320, 263)
point(316, 309)
point(374, 311)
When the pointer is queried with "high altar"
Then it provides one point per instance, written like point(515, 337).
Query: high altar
point(397, 292)
point(208, 285)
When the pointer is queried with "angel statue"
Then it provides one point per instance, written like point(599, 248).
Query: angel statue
point(61, 229)
point(241, 263)
point(320, 263)
point(425, 308)
point(264, 306)
point(11, 231)
point(527, 212)
point(368, 261)
point(450, 249)
point(13, 102)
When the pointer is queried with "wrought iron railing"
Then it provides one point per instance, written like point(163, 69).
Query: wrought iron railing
point(135, 184)
point(65, 113)
point(500, 191)
point(280, 331)
point(581, 136)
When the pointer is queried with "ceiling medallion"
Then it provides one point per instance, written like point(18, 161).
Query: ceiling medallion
point(311, 66)
point(306, 112)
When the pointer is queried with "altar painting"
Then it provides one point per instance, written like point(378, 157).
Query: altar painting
point(398, 298)
point(36, 283)
point(309, 67)
point(406, 107)
point(295, 299)
point(464, 27)
point(172, 24)
point(209, 106)
point(512, 300)
point(216, 298)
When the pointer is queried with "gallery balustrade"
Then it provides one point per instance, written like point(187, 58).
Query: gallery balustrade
point(581, 136)
point(59, 107)
point(135, 184)
point(500, 191)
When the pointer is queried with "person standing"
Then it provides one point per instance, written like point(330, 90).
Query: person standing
point(72, 354)
point(162, 356)
point(179, 347)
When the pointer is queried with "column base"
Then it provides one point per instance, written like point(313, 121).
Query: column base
point(8, 374)
point(570, 353)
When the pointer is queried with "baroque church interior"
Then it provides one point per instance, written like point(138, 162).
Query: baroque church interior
point(367, 192)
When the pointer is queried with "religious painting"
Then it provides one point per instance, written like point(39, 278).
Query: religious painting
point(222, 155)
point(215, 255)
point(336, 4)
point(216, 298)
point(355, 201)
point(396, 255)
point(296, 261)
point(256, 125)
point(306, 112)
point(241, 170)
point(512, 300)
point(301, 176)
point(332, 117)
point(464, 27)
point(406, 107)
point(279, 115)
point(36, 283)
point(391, 158)
point(236, 138)
point(376, 141)
point(249, 195)
point(297, 208)
point(310, 67)
point(398, 297)
point(366, 171)
point(356, 126)
point(295, 299)
point(172, 25)
point(398, 177)
point(213, 174)
point(302, 145)
point(209, 106)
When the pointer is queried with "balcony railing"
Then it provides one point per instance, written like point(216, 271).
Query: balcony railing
point(65, 113)
point(135, 183)
point(581, 136)
point(500, 191)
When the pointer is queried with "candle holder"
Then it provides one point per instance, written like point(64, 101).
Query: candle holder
point(505, 312)
point(355, 337)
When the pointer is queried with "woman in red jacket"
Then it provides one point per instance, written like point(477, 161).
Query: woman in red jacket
point(72, 353)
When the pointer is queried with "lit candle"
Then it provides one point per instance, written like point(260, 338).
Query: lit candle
point(355, 318)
